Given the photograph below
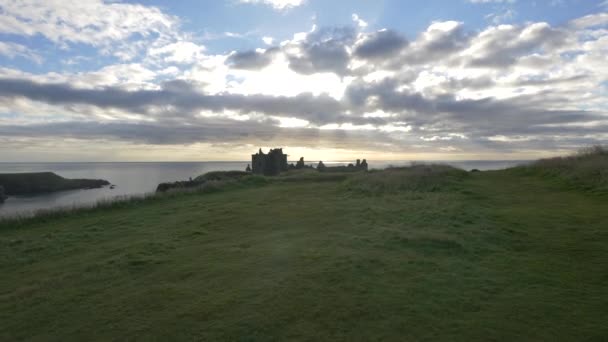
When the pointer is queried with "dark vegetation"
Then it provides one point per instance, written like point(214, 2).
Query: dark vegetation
point(203, 181)
point(357, 167)
point(587, 169)
point(422, 253)
point(222, 176)
point(41, 182)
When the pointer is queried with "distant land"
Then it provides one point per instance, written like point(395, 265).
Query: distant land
point(14, 184)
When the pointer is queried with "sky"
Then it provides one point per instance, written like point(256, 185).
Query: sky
point(196, 80)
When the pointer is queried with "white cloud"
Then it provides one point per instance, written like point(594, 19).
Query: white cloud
point(492, 1)
point(92, 22)
point(12, 50)
point(360, 22)
point(268, 40)
point(598, 19)
point(178, 52)
point(276, 4)
point(499, 18)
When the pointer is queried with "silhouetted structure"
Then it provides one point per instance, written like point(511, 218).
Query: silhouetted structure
point(363, 164)
point(300, 164)
point(270, 164)
point(2, 196)
point(360, 165)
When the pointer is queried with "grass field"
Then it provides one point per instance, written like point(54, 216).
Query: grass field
point(503, 255)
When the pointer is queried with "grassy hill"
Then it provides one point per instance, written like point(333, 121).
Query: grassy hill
point(423, 253)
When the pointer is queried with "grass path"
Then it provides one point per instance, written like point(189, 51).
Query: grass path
point(501, 257)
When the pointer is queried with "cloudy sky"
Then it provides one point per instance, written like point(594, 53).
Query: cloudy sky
point(94, 80)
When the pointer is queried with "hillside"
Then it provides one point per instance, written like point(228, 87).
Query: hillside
point(423, 253)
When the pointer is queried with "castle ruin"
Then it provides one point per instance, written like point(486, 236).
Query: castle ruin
point(270, 164)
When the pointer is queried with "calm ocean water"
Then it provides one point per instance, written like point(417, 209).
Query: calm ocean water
point(141, 178)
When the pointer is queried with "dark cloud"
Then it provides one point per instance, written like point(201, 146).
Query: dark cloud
point(478, 116)
point(181, 96)
point(381, 44)
point(475, 83)
point(209, 131)
point(252, 59)
point(321, 57)
point(324, 50)
point(541, 81)
point(470, 115)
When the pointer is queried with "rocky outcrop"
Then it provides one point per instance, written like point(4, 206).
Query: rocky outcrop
point(44, 182)
point(2, 195)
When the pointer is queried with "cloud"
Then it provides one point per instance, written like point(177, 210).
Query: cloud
point(499, 18)
point(179, 99)
point(178, 52)
point(492, 1)
point(360, 22)
point(323, 50)
point(93, 22)
point(213, 131)
point(276, 4)
point(380, 44)
point(13, 50)
point(252, 59)
point(439, 41)
point(598, 19)
point(501, 46)
point(504, 88)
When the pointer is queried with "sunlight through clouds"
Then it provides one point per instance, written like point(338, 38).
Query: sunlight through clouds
point(531, 85)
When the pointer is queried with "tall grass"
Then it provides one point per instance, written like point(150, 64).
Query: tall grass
point(587, 169)
point(418, 178)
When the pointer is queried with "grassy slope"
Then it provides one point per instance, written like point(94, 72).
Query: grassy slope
point(500, 256)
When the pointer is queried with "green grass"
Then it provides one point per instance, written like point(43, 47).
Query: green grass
point(404, 254)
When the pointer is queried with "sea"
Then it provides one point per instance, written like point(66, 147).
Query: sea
point(140, 178)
